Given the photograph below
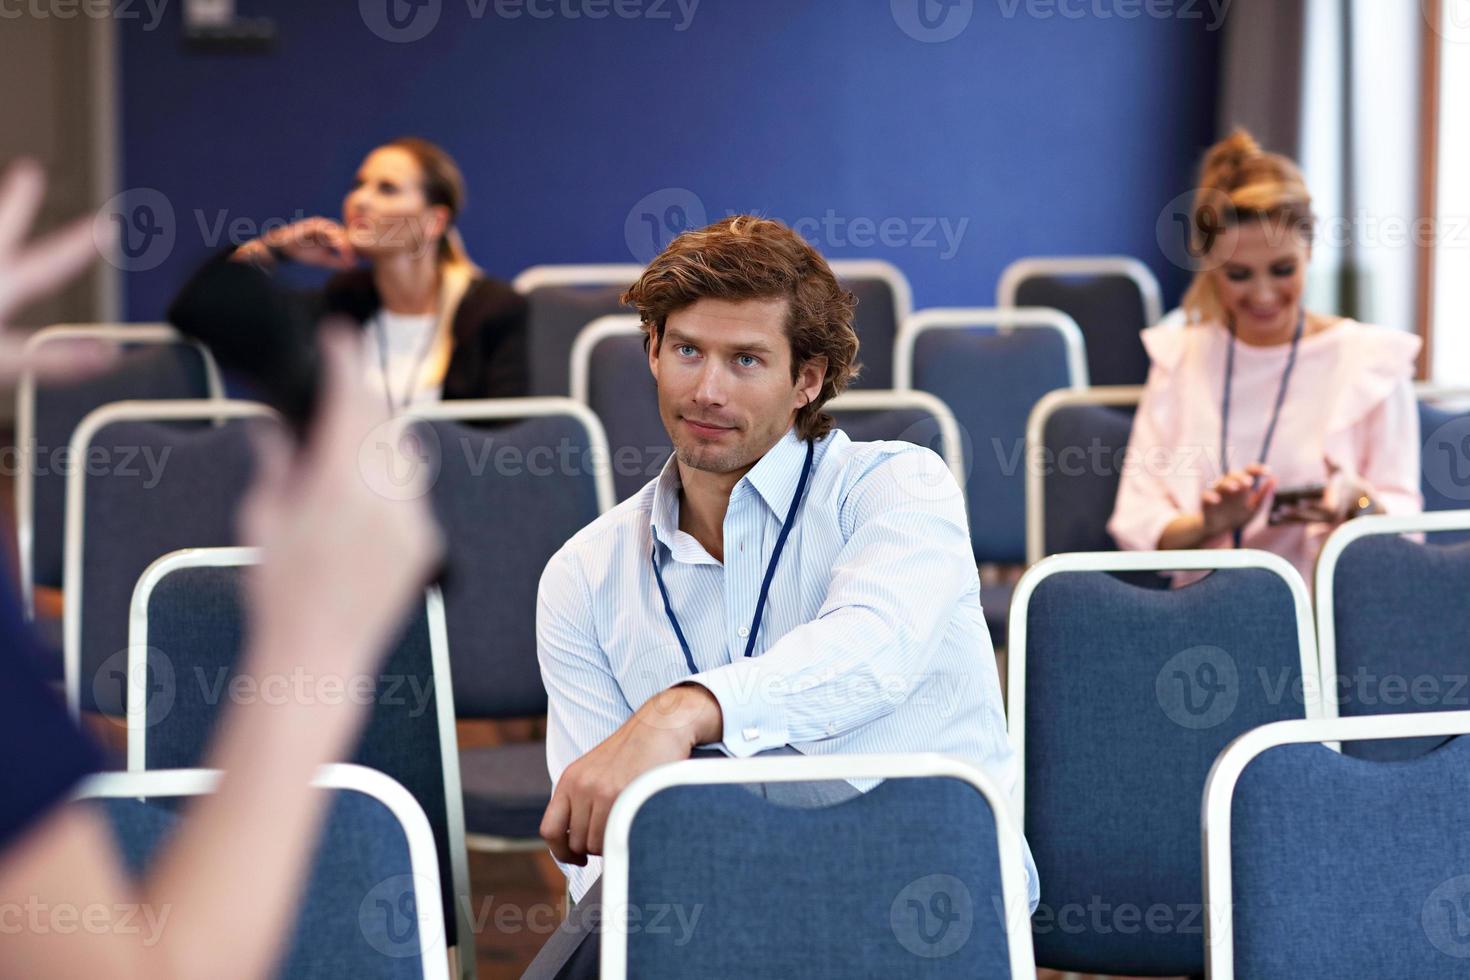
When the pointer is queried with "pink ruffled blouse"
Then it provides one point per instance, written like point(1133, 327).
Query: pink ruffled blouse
point(1349, 405)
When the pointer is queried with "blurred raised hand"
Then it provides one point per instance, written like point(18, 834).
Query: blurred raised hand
point(29, 272)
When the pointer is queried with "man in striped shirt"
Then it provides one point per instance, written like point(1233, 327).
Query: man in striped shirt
point(778, 587)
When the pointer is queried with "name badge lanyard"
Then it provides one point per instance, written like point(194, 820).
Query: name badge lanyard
point(1296, 339)
point(765, 584)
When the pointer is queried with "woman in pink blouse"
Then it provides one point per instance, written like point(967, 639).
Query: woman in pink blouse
point(1314, 414)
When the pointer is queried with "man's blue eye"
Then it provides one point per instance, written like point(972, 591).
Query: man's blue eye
point(746, 360)
point(684, 350)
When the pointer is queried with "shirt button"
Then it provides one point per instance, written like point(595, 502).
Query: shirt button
point(744, 631)
point(832, 728)
point(751, 734)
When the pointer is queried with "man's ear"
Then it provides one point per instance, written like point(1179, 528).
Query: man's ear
point(653, 354)
point(809, 380)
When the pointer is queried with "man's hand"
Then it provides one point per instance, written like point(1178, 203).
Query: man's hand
point(664, 730)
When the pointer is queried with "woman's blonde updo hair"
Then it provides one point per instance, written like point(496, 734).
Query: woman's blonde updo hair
point(1241, 182)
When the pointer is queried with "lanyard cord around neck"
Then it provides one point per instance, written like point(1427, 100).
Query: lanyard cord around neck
point(1296, 339)
point(413, 375)
point(760, 603)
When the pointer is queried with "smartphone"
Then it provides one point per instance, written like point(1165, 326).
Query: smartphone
point(1288, 497)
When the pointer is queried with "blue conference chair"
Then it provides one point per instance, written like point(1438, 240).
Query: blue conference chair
point(508, 498)
point(1111, 297)
point(610, 375)
point(1120, 697)
point(1075, 443)
point(561, 300)
point(184, 647)
point(991, 366)
point(156, 363)
point(884, 301)
point(1444, 453)
point(920, 877)
point(1389, 622)
point(158, 477)
point(1319, 864)
point(368, 911)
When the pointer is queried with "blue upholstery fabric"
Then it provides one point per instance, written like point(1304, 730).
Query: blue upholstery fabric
point(554, 317)
point(195, 628)
point(873, 322)
point(506, 788)
point(151, 371)
point(129, 521)
point(343, 930)
point(1083, 451)
point(508, 497)
point(1110, 311)
point(621, 392)
point(1131, 693)
point(1444, 440)
point(991, 380)
point(1349, 868)
point(1400, 623)
point(903, 881)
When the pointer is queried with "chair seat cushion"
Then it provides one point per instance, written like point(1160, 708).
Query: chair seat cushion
point(506, 788)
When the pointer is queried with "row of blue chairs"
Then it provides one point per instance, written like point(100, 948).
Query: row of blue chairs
point(1121, 700)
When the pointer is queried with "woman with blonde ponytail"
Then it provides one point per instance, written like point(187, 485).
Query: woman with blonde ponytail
point(1264, 424)
point(436, 326)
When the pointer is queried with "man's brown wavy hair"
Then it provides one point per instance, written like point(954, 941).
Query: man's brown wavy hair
point(745, 257)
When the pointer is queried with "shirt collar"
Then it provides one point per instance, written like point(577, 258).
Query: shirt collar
point(773, 477)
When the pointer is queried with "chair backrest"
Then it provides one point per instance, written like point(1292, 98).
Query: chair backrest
point(903, 416)
point(610, 375)
point(561, 300)
point(1076, 448)
point(1444, 457)
point(1319, 864)
point(1119, 699)
point(1391, 621)
point(508, 498)
point(884, 301)
point(183, 654)
point(368, 911)
point(991, 366)
point(921, 876)
point(154, 477)
point(1112, 298)
point(157, 363)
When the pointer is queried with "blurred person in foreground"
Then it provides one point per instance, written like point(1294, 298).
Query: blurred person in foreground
point(341, 567)
point(1264, 424)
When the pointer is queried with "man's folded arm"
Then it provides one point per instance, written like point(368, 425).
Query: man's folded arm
point(895, 584)
point(585, 705)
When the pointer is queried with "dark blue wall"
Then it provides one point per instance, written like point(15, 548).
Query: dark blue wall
point(1024, 134)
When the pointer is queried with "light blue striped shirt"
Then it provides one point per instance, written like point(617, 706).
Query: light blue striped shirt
point(872, 638)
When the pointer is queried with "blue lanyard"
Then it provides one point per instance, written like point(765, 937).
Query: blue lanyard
point(760, 603)
point(1296, 339)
